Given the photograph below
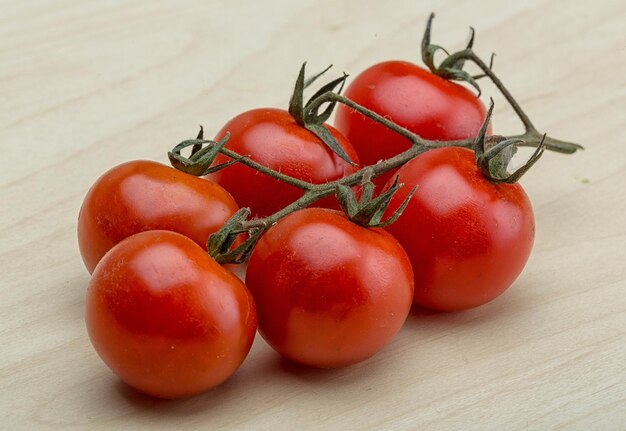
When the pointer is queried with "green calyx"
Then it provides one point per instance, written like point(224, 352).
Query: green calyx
point(311, 119)
point(220, 244)
point(493, 154)
point(369, 210)
point(451, 68)
point(199, 162)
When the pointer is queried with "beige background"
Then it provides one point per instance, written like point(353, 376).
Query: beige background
point(87, 85)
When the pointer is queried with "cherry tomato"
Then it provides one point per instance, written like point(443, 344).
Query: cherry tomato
point(424, 103)
point(143, 195)
point(166, 318)
point(329, 293)
point(273, 138)
point(468, 239)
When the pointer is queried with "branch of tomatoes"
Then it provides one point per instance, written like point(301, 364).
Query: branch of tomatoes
point(462, 241)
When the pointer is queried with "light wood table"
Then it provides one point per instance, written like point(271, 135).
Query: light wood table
point(87, 85)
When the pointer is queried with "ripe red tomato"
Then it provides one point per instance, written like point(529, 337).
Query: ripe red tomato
point(422, 102)
point(143, 195)
point(468, 239)
point(329, 292)
point(273, 138)
point(166, 318)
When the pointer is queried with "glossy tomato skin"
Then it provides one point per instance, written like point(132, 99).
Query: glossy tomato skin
point(142, 195)
point(329, 293)
point(273, 138)
point(468, 239)
point(166, 318)
point(426, 104)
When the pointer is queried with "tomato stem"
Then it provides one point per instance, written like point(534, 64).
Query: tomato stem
point(451, 68)
point(201, 159)
point(245, 160)
point(315, 192)
point(256, 227)
point(499, 149)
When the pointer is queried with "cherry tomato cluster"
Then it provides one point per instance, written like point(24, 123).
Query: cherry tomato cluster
point(325, 287)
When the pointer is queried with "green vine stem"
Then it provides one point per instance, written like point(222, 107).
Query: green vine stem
point(451, 68)
point(531, 137)
point(256, 227)
point(498, 149)
point(315, 192)
point(201, 159)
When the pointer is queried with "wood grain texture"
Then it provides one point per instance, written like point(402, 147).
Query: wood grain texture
point(87, 85)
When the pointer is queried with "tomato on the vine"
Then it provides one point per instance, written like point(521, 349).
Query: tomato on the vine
point(167, 318)
point(468, 239)
point(329, 293)
point(273, 138)
point(412, 97)
point(143, 195)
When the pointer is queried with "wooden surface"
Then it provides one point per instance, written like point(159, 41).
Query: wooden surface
point(87, 85)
